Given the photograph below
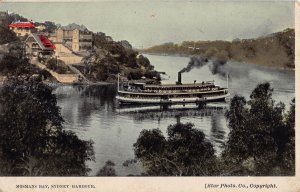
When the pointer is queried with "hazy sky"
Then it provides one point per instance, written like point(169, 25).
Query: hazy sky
point(146, 23)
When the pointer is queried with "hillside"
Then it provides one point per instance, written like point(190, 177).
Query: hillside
point(102, 62)
point(274, 50)
point(108, 58)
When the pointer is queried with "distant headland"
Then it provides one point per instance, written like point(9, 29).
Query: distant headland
point(274, 50)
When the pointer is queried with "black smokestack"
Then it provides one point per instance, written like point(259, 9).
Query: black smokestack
point(179, 78)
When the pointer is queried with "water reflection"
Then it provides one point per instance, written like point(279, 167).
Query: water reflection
point(213, 111)
point(218, 134)
point(92, 98)
point(159, 112)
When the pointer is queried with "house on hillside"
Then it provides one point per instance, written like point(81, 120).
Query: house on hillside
point(39, 45)
point(22, 29)
point(75, 38)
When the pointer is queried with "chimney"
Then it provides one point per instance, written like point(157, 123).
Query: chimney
point(179, 79)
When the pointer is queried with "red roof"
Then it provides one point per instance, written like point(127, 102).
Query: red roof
point(46, 42)
point(22, 25)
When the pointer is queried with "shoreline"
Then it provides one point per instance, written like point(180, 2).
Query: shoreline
point(79, 84)
point(3, 78)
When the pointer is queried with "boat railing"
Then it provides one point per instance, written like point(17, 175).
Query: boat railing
point(145, 98)
point(170, 91)
point(153, 97)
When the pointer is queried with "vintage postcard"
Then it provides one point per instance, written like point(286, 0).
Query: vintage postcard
point(137, 95)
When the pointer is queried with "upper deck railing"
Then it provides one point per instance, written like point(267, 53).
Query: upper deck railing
point(164, 90)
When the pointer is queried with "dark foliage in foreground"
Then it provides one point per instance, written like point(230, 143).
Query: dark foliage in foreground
point(262, 138)
point(32, 139)
point(14, 64)
point(261, 142)
point(185, 152)
point(11, 65)
point(108, 169)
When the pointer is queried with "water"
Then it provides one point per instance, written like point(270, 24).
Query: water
point(93, 114)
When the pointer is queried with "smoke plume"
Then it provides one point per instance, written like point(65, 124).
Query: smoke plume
point(216, 66)
point(195, 62)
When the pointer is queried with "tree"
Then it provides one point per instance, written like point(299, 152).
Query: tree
point(185, 152)
point(6, 35)
point(12, 65)
point(258, 133)
point(9, 18)
point(125, 44)
point(108, 169)
point(51, 27)
point(288, 151)
point(211, 52)
point(32, 138)
point(112, 58)
point(58, 66)
point(237, 118)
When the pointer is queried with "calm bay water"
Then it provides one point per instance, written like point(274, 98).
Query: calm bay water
point(92, 112)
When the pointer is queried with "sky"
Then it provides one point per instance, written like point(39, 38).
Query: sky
point(148, 23)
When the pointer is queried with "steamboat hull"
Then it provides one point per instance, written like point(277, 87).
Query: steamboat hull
point(128, 100)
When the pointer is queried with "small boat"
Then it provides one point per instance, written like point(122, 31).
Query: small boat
point(142, 93)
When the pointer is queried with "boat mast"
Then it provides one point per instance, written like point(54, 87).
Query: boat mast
point(118, 81)
point(227, 80)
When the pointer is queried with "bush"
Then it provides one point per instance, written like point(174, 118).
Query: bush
point(108, 169)
point(260, 134)
point(185, 152)
point(11, 65)
point(58, 66)
point(7, 36)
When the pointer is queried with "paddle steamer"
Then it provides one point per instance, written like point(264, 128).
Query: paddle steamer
point(142, 93)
